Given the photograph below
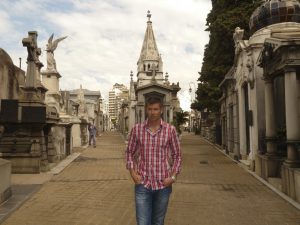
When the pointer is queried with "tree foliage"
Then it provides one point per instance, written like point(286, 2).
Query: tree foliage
point(222, 20)
point(180, 118)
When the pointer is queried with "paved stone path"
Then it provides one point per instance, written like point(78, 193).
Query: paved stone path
point(211, 190)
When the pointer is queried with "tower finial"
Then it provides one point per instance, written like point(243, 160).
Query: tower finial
point(149, 15)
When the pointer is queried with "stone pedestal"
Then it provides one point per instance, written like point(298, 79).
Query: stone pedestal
point(5, 183)
point(50, 80)
point(291, 182)
point(267, 166)
point(297, 184)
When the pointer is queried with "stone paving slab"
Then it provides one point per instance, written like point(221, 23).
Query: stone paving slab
point(21, 193)
point(211, 190)
point(25, 185)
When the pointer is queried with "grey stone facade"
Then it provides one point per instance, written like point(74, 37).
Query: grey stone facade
point(260, 106)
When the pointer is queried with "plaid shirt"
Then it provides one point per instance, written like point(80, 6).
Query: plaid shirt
point(155, 156)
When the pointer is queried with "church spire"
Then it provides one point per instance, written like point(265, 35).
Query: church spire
point(149, 50)
point(150, 64)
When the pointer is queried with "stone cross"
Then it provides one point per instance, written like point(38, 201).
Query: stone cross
point(148, 15)
point(33, 63)
point(153, 69)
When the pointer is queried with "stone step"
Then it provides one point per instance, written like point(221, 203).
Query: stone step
point(275, 182)
point(245, 163)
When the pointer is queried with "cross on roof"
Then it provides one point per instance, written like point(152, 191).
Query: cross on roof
point(149, 15)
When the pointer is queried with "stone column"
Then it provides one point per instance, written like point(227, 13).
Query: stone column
point(292, 116)
point(270, 117)
point(171, 114)
point(242, 123)
point(132, 115)
point(143, 114)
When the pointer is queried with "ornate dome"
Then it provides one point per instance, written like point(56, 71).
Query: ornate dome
point(274, 11)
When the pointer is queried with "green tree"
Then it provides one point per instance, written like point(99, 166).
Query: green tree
point(114, 122)
point(221, 22)
point(181, 118)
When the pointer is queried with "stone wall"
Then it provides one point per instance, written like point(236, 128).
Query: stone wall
point(76, 139)
point(10, 77)
point(209, 132)
point(5, 174)
point(59, 141)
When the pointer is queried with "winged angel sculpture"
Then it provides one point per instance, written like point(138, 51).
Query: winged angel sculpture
point(51, 46)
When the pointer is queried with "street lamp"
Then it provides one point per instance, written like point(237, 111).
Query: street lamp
point(190, 90)
point(192, 122)
point(196, 123)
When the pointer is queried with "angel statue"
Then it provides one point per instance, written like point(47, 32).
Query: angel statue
point(51, 46)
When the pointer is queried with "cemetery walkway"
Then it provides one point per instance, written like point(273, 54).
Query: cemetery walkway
point(96, 189)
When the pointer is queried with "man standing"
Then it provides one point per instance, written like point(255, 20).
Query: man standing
point(154, 159)
point(93, 133)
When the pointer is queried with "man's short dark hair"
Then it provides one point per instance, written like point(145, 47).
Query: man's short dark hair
point(154, 100)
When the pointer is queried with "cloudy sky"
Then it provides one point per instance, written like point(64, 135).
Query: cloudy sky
point(105, 38)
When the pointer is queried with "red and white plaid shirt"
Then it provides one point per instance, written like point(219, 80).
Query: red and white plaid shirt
point(155, 156)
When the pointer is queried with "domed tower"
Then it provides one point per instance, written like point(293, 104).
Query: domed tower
point(273, 12)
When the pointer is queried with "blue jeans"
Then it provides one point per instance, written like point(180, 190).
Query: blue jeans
point(151, 205)
point(92, 140)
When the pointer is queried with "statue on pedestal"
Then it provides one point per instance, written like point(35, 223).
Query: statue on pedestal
point(81, 101)
point(51, 46)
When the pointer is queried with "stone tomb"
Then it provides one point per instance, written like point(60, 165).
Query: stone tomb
point(23, 117)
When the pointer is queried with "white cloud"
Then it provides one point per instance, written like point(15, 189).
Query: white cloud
point(105, 37)
point(6, 26)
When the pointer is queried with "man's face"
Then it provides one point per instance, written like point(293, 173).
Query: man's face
point(154, 111)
